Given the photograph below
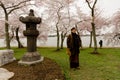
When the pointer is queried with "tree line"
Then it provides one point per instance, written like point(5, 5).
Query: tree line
point(58, 17)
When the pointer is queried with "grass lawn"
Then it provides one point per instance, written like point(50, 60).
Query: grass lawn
point(105, 66)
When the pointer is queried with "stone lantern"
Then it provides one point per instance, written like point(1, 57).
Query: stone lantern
point(31, 32)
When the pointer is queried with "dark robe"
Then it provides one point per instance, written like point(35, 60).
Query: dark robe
point(73, 43)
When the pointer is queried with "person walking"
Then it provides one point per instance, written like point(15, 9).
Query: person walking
point(73, 45)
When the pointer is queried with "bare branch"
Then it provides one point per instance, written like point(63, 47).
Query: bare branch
point(91, 7)
point(88, 4)
point(94, 3)
point(59, 16)
point(13, 6)
point(18, 6)
point(14, 9)
point(2, 5)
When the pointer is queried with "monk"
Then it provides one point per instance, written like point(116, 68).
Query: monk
point(73, 45)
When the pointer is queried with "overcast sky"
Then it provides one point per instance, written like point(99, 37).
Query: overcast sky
point(107, 6)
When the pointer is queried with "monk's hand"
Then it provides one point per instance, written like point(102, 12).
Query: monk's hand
point(68, 51)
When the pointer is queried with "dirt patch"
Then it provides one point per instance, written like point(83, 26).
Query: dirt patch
point(46, 70)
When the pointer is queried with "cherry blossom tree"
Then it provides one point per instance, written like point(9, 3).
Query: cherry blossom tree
point(57, 14)
point(114, 37)
point(16, 29)
point(66, 20)
point(91, 5)
point(116, 21)
point(83, 22)
point(43, 31)
point(8, 7)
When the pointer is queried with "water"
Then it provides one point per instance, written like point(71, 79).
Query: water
point(52, 42)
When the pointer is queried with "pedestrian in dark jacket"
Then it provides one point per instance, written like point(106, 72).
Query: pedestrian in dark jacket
point(73, 45)
point(101, 43)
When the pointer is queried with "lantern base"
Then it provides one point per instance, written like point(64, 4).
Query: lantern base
point(31, 58)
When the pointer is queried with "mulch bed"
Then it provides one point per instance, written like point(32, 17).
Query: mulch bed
point(45, 70)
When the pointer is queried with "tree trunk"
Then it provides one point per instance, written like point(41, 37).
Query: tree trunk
point(93, 23)
point(79, 36)
point(7, 32)
point(94, 31)
point(81, 42)
point(94, 37)
point(17, 38)
point(62, 40)
point(7, 39)
point(90, 45)
point(58, 38)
